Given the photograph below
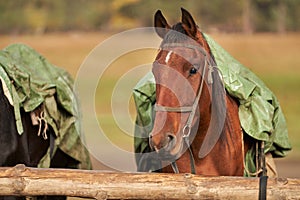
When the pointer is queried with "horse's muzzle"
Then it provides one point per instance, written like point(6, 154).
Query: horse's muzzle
point(163, 145)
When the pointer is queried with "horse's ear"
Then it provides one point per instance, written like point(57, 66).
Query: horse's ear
point(161, 24)
point(189, 23)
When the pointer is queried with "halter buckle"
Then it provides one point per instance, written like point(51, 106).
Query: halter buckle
point(186, 131)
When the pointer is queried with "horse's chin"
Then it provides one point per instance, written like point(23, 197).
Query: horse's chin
point(178, 149)
point(171, 154)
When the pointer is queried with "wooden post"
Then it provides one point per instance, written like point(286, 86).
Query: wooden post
point(24, 181)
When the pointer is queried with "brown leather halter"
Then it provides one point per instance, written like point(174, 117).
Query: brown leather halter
point(184, 109)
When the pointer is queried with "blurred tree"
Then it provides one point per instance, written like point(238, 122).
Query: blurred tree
point(247, 18)
point(277, 15)
point(12, 17)
point(144, 10)
point(34, 16)
point(120, 21)
point(265, 15)
point(293, 15)
point(281, 17)
point(221, 15)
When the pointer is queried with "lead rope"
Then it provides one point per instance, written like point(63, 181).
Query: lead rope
point(258, 171)
point(260, 160)
point(174, 167)
point(192, 160)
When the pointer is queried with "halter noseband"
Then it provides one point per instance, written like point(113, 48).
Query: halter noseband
point(185, 109)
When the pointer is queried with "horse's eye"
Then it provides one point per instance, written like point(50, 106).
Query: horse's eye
point(193, 70)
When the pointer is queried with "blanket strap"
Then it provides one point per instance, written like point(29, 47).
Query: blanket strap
point(41, 120)
point(263, 180)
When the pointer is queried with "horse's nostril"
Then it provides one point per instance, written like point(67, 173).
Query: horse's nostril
point(171, 141)
point(150, 141)
point(171, 137)
point(166, 143)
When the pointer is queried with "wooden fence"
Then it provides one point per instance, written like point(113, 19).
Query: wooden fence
point(25, 181)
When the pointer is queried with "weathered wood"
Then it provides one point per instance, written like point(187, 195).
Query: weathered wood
point(21, 180)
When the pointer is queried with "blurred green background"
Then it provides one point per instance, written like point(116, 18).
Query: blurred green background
point(261, 34)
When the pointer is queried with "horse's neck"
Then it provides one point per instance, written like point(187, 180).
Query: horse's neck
point(213, 115)
point(227, 131)
point(213, 107)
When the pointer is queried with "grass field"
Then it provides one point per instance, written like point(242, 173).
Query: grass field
point(274, 58)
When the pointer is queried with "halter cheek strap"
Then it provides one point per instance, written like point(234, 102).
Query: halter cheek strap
point(188, 125)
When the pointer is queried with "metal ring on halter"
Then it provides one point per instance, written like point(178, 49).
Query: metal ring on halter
point(186, 131)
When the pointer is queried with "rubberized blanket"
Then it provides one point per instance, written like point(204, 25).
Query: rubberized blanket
point(259, 111)
point(36, 82)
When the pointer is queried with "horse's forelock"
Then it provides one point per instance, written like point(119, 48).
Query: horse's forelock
point(177, 34)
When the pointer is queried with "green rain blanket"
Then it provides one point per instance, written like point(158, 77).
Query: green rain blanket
point(32, 81)
point(259, 111)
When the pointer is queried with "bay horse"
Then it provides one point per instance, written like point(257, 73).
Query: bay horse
point(196, 127)
point(27, 148)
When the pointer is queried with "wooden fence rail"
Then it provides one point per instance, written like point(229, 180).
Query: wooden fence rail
point(25, 181)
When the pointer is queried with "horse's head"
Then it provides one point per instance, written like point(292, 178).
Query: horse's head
point(178, 70)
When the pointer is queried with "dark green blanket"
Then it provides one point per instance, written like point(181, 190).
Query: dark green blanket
point(35, 82)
